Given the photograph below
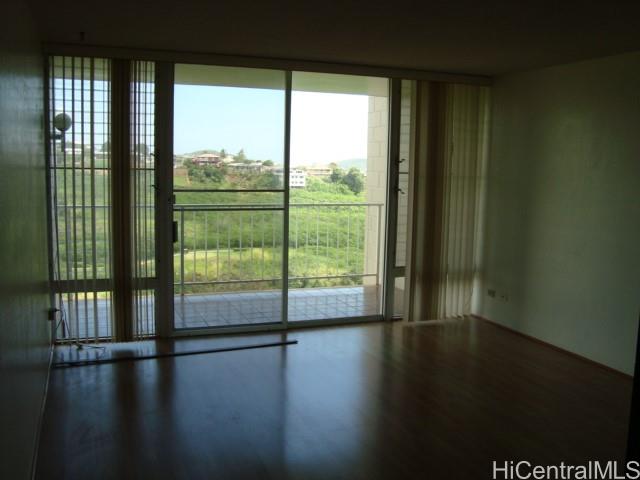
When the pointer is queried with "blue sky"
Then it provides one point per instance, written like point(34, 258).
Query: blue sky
point(325, 127)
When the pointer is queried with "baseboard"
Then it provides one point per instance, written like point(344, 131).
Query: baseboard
point(555, 347)
point(36, 446)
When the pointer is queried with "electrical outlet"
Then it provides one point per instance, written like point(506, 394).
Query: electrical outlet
point(504, 297)
point(491, 292)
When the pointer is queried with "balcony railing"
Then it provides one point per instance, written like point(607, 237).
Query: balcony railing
point(221, 245)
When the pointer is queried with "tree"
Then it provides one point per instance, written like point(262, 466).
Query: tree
point(223, 153)
point(214, 174)
point(195, 173)
point(268, 163)
point(354, 180)
point(336, 175)
point(240, 156)
point(268, 180)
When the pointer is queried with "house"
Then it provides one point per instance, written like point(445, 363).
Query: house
point(207, 159)
point(472, 312)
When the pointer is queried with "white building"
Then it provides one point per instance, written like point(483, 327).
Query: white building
point(297, 178)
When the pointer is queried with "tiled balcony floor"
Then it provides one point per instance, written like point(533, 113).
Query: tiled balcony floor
point(242, 308)
point(250, 308)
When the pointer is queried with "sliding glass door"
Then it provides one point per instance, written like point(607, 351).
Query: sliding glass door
point(339, 134)
point(229, 187)
point(280, 187)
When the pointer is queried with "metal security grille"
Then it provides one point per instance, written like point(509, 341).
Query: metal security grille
point(79, 173)
point(142, 98)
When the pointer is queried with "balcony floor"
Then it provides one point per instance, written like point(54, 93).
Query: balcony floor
point(243, 308)
point(251, 308)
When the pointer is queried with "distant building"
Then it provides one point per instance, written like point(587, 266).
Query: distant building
point(207, 159)
point(245, 167)
point(297, 178)
point(321, 172)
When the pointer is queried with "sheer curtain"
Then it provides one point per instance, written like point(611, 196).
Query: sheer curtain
point(452, 124)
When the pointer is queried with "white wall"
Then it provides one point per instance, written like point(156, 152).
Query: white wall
point(376, 185)
point(562, 239)
point(24, 328)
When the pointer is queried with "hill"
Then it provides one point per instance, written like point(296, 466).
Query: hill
point(360, 163)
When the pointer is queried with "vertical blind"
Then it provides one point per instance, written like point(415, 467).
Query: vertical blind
point(94, 145)
point(142, 99)
point(451, 153)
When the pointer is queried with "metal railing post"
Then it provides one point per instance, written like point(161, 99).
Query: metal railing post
point(182, 251)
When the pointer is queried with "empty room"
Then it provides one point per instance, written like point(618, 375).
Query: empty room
point(304, 240)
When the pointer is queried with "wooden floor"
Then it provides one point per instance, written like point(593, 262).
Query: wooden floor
point(436, 400)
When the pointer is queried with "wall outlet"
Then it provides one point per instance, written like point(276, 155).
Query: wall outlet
point(504, 297)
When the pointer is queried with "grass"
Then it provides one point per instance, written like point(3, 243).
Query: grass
point(262, 268)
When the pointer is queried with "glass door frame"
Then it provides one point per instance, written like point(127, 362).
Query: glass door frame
point(391, 271)
point(165, 201)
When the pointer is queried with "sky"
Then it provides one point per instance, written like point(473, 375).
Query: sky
point(325, 127)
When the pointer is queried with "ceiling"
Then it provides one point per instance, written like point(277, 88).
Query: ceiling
point(489, 37)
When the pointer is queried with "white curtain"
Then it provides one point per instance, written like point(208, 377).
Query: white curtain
point(452, 123)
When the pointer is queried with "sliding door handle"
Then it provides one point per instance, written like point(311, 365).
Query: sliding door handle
point(174, 231)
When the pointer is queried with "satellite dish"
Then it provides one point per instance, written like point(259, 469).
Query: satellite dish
point(62, 122)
